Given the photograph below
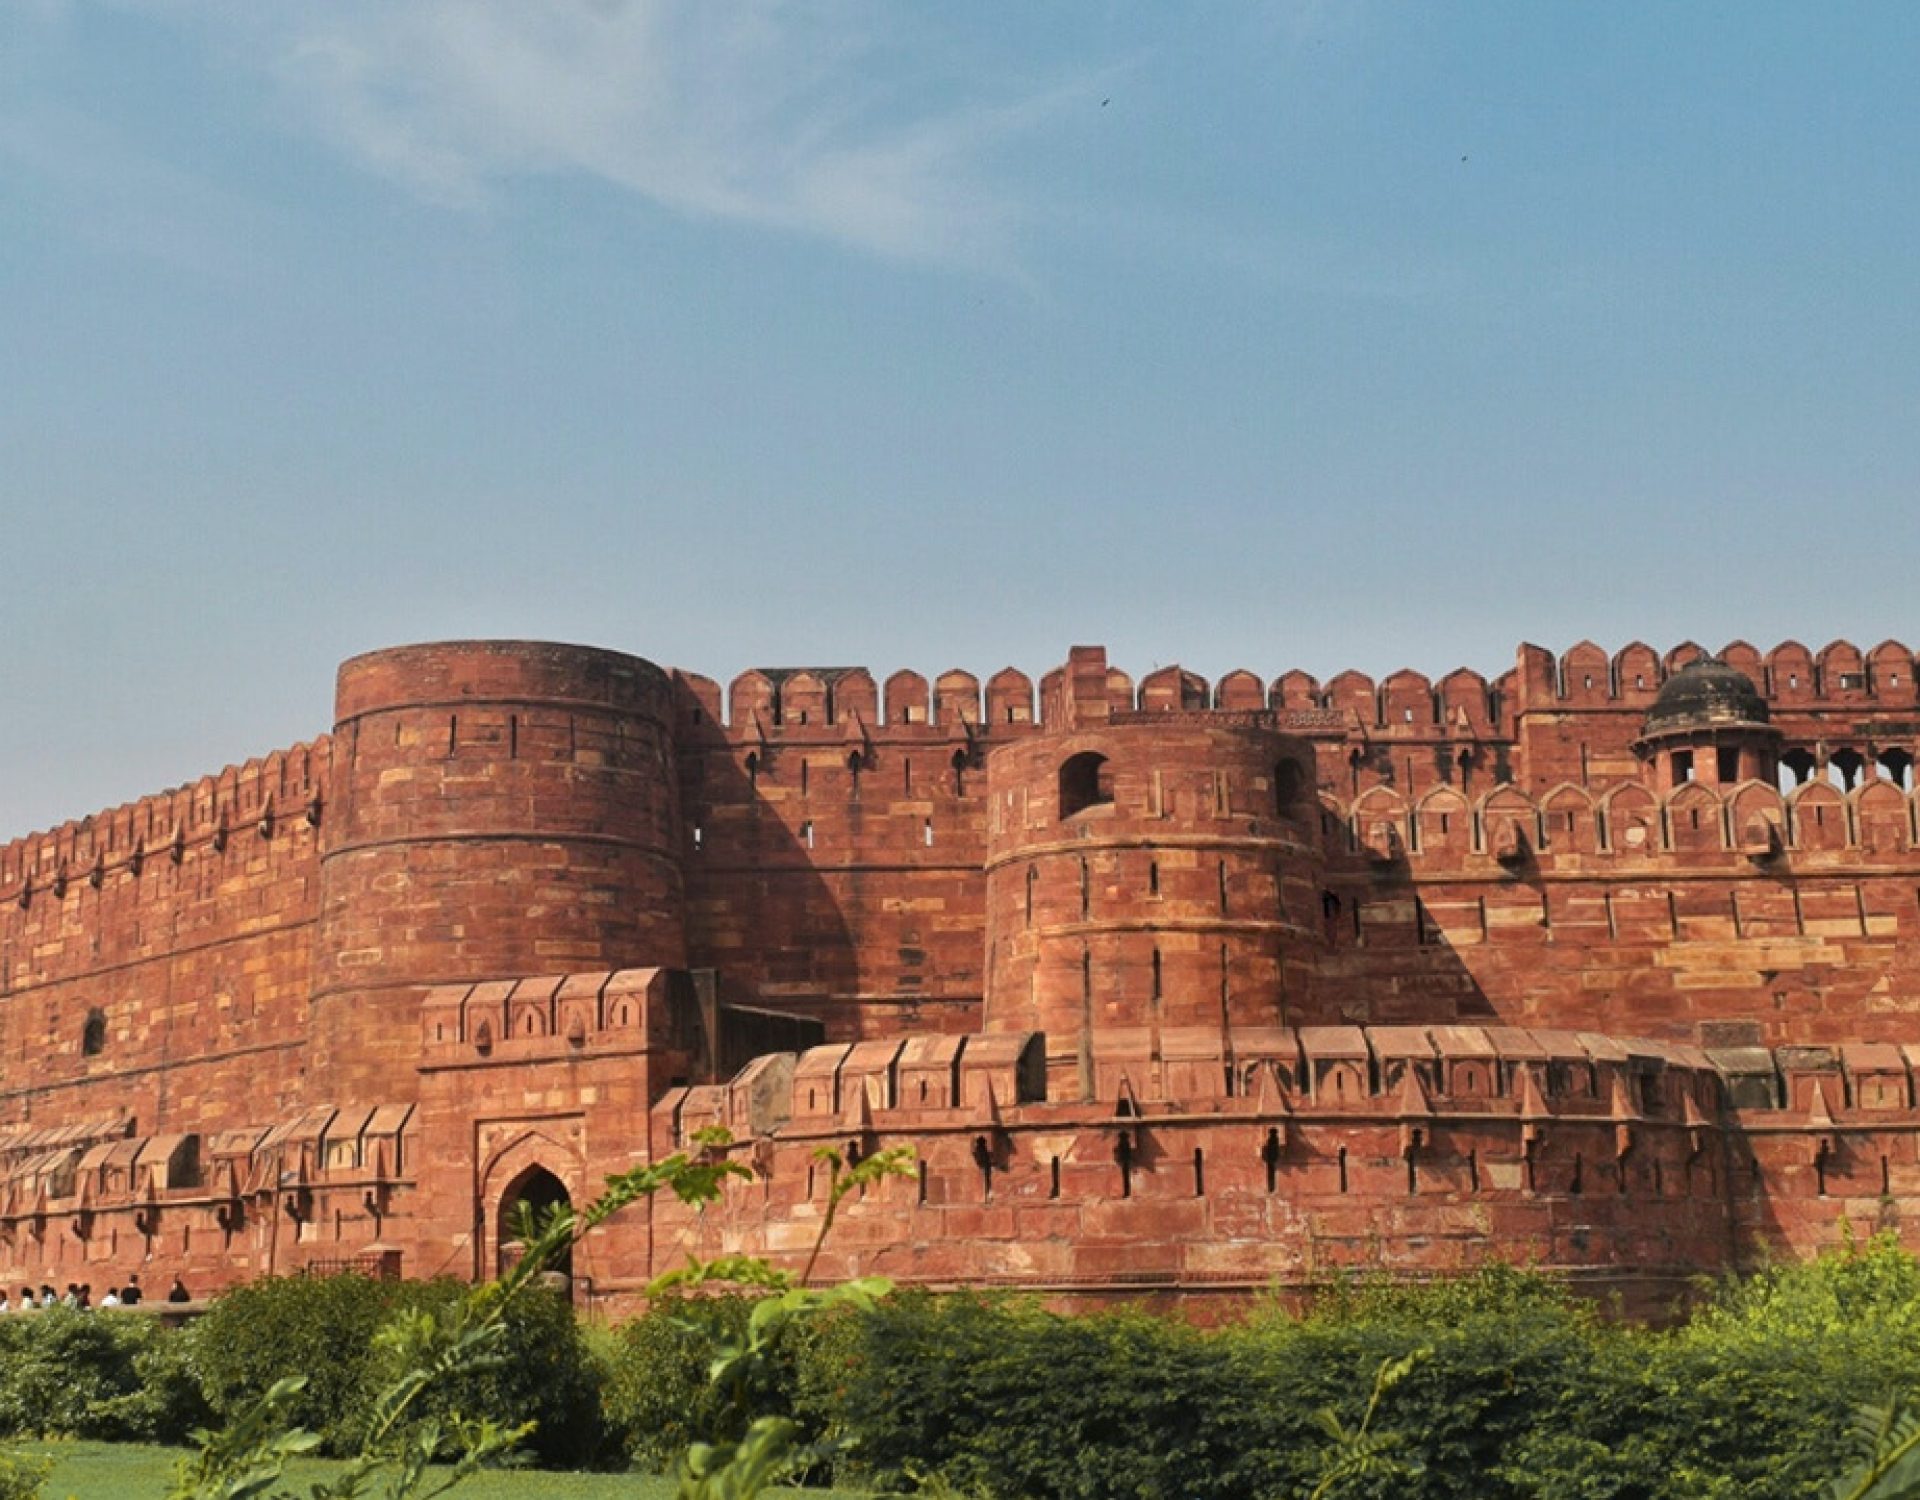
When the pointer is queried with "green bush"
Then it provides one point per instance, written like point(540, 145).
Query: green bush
point(1754, 1394)
point(997, 1395)
point(266, 1330)
point(21, 1477)
point(324, 1328)
point(65, 1373)
point(543, 1374)
point(658, 1397)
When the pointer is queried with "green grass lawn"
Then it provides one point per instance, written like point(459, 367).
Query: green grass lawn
point(136, 1471)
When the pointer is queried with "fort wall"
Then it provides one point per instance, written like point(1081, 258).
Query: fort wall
point(1172, 985)
point(154, 958)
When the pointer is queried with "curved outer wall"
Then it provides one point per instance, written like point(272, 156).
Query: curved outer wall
point(500, 809)
point(1188, 903)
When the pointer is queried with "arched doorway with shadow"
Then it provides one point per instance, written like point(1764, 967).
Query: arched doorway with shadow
point(540, 1190)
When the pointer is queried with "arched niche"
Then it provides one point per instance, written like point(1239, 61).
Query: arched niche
point(1882, 816)
point(1817, 817)
point(1567, 812)
point(1695, 819)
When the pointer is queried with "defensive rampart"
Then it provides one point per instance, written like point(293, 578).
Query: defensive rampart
point(1171, 985)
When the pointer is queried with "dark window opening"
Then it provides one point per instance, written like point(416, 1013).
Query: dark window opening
point(1796, 769)
point(1897, 766)
point(93, 1036)
point(534, 1195)
point(1844, 768)
point(1289, 782)
point(1682, 766)
point(1728, 764)
point(1085, 781)
point(1153, 878)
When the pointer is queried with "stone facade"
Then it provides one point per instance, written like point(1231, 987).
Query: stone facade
point(1174, 987)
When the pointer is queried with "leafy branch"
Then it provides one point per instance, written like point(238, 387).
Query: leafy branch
point(1360, 1452)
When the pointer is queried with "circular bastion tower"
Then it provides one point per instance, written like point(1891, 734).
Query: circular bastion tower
point(1149, 874)
point(498, 809)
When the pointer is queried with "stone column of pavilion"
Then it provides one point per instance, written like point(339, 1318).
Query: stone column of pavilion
point(500, 809)
point(1147, 872)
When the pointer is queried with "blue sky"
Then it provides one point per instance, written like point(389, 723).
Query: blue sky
point(1268, 335)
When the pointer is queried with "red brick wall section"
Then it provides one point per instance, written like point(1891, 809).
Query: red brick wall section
point(181, 925)
point(501, 809)
point(242, 1023)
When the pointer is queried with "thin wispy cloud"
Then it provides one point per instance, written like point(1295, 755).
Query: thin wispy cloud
point(767, 114)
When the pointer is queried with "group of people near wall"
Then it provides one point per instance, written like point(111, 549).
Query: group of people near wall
point(80, 1295)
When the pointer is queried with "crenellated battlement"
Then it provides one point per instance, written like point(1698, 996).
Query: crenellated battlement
point(262, 797)
point(1611, 961)
point(1839, 677)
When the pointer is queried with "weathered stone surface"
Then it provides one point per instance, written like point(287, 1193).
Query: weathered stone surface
point(1174, 990)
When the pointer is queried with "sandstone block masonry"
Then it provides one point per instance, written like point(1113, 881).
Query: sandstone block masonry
point(1175, 988)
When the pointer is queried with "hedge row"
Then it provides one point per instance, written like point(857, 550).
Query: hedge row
point(1520, 1392)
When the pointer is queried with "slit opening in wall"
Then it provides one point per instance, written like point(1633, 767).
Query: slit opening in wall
point(1053, 1178)
point(1340, 1158)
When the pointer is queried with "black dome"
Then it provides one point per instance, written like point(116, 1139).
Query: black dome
point(1706, 691)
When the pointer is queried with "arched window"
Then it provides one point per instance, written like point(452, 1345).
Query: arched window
point(541, 1192)
point(1085, 781)
point(93, 1036)
point(1897, 766)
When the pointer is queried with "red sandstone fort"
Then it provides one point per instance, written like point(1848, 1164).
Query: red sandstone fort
point(1608, 964)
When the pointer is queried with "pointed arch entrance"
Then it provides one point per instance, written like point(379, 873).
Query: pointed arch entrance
point(541, 1190)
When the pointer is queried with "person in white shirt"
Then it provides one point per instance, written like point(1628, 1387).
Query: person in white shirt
point(112, 1299)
